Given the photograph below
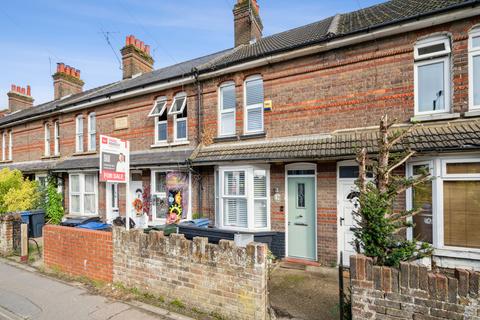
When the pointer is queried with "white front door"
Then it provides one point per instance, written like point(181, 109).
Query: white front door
point(112, 201)
point(347, 205)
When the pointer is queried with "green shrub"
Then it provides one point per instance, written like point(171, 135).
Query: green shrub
point(53, 203)
point(17, 193)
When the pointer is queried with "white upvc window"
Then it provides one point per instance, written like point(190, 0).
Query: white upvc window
point(79, 133)
point(161, 121)
point(10, 145)
point(243, 197)
point(56, 138)
point(92, 132)
point(83, 193)
point(432, 76)
point(474, 68)
point(253, 100)
point(47, 139)
point(179, 111)
point(226, 109)
point(4, 146)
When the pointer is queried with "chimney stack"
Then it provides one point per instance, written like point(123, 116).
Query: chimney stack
point(136, 58)
point(66, 81)
point(248, 24)
point(19, 98)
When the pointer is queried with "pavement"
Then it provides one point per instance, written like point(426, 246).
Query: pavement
point(29, 295)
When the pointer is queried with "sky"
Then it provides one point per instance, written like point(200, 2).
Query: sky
point(35, 35)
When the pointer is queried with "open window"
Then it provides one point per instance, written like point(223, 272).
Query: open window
point(178, 105)
point(158, 108)
point(432, 75)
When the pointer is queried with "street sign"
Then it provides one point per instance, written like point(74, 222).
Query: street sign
point(114, 160)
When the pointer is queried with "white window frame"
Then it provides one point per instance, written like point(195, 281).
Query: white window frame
point(433, 58)
point(176, 119)
point(79, 133)
point(92, 132)
point(246, 108)
point(178, 96)
point(249, 195)
point(446, 70)
point(56, 138)
point(438, 169)
point(152, 112)
point(472, 53)
point(82, 193)
point(222, 112)
point(10, 145)
point(47, 137)
point(157, 116)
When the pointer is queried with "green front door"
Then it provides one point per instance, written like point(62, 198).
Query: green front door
point(301, 217)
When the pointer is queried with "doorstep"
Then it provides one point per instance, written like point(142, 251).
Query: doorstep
point(301, 262)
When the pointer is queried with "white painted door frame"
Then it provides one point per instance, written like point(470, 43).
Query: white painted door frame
point(301, 166)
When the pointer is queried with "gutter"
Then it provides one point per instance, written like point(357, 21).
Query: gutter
point(334, 43)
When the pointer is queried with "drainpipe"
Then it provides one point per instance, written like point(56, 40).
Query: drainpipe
point(199, 138)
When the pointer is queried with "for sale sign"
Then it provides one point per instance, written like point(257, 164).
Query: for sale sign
point(114, 159)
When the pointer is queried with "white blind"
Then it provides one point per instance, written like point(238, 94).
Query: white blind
point(228, 97)
point(255, 119)
point(234, 183)
point(235, 212)
point(227, 123)
point(254, 89)
point(260, 198)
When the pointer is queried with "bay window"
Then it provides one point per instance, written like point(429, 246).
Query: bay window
point(254, 105)
point(179, 110)
point(432, 75)
point(83, 193)
point(159, 113)
point(474, 68)
point(79, 133)
point(92, 132)
point(243, 198)
point(227, 104)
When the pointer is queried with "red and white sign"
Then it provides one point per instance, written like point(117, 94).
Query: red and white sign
point(114, 160)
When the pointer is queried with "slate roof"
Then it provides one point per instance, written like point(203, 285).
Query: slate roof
point(31, 166)
point(390, 12)
point(444, 137)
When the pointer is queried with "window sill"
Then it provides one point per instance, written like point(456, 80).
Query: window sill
point(86, 153)
point(171, 144)
point(434, 117)
point(253, 136)
point(6, 161)
point(472, 113)
point(226, 139)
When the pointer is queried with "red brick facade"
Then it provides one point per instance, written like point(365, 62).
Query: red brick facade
point(79, 252)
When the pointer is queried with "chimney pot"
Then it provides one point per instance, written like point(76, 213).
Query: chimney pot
point(23, 91)
point(147, 49)
point(29, 91)
point(19, 98)
point(13, 88)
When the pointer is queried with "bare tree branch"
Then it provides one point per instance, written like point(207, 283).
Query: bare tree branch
point(399, 163)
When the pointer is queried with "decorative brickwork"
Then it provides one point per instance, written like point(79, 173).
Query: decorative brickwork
point(412, 292)
point(79, 252)
point(224, 279)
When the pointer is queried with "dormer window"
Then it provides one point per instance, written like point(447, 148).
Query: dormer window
point(432, 75)
point(161, 124)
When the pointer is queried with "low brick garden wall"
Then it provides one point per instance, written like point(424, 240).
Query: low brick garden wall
point(222, 279)
point(9, 230)
point(412, 292)
point(79, 252)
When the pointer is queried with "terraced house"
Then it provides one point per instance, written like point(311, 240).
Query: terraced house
point(261, 138)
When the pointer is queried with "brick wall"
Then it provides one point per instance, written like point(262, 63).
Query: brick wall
point(7, 234)
point(412, 292)
point(79, 252)
point(224, 279)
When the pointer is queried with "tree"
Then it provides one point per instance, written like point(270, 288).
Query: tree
point(380, 225)
point(16, 192)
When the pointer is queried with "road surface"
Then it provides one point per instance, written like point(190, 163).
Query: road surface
point(29, 295)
